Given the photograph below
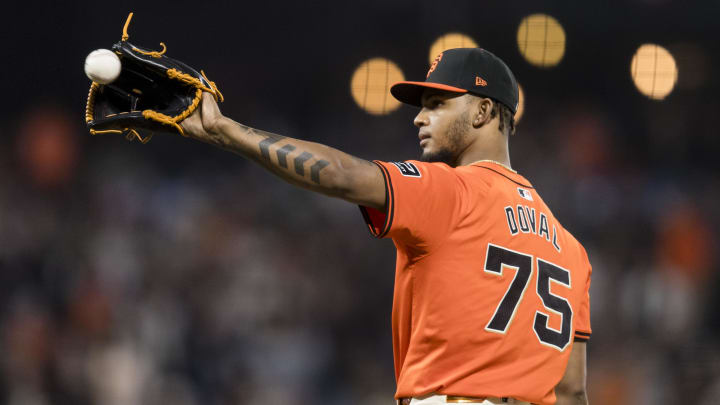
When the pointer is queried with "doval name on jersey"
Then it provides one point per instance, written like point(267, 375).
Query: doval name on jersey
point(523, 219)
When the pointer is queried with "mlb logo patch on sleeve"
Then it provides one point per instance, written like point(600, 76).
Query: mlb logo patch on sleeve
point(525, 194)
point(407, 169)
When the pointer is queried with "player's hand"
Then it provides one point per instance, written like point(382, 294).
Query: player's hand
point(204, 123)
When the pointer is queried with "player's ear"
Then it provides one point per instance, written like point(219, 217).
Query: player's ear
point(480, 111)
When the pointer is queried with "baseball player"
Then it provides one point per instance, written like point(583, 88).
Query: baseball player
point(491, 301)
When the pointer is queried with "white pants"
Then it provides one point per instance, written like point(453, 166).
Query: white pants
point(441, 399)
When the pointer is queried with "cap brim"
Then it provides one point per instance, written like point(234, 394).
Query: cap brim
point(411, 92)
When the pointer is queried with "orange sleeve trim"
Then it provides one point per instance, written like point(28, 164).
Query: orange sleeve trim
point(367, 213)
point(581, 336)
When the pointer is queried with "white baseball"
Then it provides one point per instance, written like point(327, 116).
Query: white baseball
point(102, 66)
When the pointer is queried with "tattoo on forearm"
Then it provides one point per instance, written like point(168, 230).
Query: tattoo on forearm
point(265, 143)
point(298, 162)
point(265, 147)
point(315, 170)
point(282, 154)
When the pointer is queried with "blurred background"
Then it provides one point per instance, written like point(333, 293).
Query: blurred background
point(173, 272)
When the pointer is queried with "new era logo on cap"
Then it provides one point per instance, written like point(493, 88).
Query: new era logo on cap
point(479, 81)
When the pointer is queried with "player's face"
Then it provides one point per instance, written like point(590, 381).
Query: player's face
point(444, 123)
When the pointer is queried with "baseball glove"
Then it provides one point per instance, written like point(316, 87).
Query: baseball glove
point(153, 93)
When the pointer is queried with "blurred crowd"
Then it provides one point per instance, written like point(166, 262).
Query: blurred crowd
point(131, 277)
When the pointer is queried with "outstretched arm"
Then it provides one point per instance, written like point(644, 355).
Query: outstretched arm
point(571, 389)
point(305, 164)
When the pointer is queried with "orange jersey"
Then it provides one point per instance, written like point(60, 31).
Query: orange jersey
point(490, 290)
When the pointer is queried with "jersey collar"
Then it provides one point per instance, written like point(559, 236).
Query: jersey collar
point(504, 171)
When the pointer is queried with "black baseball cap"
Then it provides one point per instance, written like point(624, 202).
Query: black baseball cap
point(464, 70)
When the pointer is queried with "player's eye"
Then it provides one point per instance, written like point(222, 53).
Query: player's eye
point(433, 101)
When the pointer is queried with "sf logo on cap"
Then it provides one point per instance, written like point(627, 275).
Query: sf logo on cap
point(434, 64)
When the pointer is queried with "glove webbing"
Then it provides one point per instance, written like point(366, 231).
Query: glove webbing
point(89, 108)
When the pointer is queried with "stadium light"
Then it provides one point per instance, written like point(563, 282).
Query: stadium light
point(370, 85)
point(654, 71)
point(541, 40)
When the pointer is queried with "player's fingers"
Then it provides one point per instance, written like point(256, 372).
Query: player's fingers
point(209, 102)
point(210, 110)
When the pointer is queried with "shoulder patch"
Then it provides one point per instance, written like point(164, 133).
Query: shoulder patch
point(525, 194)
point(407, 169)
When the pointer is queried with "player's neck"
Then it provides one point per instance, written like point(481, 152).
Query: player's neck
point(496, 153)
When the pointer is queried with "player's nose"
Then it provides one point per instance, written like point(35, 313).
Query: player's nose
point(421, 119)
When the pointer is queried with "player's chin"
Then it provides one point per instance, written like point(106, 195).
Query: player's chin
point(439, 155)
point(427, 150)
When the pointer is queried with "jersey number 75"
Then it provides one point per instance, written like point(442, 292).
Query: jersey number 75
point(496, 259)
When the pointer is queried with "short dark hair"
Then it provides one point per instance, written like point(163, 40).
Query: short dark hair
point(507, 118)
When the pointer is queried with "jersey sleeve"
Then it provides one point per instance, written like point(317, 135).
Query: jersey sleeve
point(424, 200)
point(582, 319)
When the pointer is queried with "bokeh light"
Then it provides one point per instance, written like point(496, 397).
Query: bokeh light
point(541, 40)
point(654, 71)
point(370, 85)
point(48, 147)
point(450, 41)
point(685, 242)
